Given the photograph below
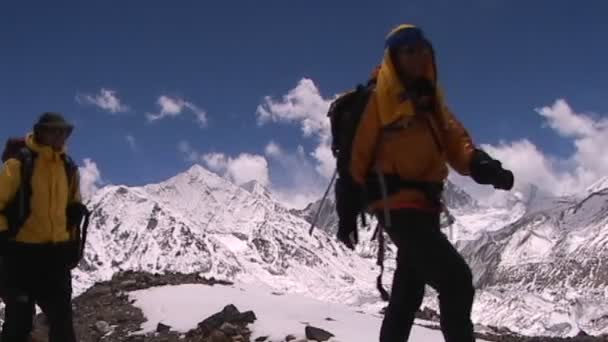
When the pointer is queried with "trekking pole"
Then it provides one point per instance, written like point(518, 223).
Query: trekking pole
point(380, 231)
point(314, 222)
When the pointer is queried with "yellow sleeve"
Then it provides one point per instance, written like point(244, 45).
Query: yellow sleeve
point(365, 140)
point(10, 178)
point(460, 146)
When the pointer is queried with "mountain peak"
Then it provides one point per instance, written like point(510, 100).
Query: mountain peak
point(198, 170)
point(599, 185)
point(199, 174)
point(257, 188)
point(455, 197)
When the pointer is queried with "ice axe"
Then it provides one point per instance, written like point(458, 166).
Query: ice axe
point(314, 221)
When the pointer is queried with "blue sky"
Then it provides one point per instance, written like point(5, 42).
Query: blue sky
point(218, 61)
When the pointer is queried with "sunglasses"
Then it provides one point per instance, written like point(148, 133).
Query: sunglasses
point(56, 131)
point(413, 49)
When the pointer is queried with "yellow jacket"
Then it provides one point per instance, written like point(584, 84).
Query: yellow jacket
point(51, 195)
point(409, 149)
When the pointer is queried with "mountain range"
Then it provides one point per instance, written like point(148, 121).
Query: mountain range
point(539, 264)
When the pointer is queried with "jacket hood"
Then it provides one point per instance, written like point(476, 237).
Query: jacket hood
point(45, 151)
point(389, 88)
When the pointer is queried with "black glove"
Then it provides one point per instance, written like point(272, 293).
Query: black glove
point(349, 238)
point(348, 207)
point(486, 170)
point(75, 212)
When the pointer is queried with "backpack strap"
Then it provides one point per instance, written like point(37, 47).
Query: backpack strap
point(22, 198)
point(71, 169)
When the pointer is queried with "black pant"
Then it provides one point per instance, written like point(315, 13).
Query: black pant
point(37, 275)
point(425, 256)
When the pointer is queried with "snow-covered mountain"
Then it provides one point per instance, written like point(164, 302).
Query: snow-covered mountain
point(200, 222)
point(538, 262)
point(548, 268)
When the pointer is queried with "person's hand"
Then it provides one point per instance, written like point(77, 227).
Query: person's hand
point(504, 180)
point(348, 237)
point(486, 170)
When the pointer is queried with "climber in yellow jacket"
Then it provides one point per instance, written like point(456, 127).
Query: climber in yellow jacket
point(408, 135)
point(38, 250)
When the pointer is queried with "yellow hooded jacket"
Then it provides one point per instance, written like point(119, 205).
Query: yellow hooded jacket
point(410, 151)
point(51, 195)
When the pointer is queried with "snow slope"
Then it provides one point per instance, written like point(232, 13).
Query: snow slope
point(182, 307)
point(200, 222)
point(548, 268)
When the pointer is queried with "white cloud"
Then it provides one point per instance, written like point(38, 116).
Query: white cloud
point(240, 169)
point(216, 161)
point(90, 178)
point(309, 173)
point(247, 167)
point(301, 184)
point(171, 107)
point(552, 174)
point(564, 121)
point(107, 100)
point(131, 141)
point(273, 150)
point(326, 163)
point(304, 105)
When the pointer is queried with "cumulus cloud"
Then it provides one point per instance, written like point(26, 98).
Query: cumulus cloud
point(240, 169)
point(90, 178)
point(553, 174)
point(310, 171)
point(304, 105)
point(106, 100)
point(301, 184)
point(171, 107)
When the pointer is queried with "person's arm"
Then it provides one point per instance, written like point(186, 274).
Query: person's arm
point(364, 142)
point(75, 194)
point(468, 160)
point(10, 178)
point(459, 145)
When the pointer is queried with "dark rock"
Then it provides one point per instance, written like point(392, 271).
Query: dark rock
point(99, 291)
point(582, 333)
point(289, 338)
point(162, 328)
point(428, 314)
point(229, 329)
point(230, 312)
point(128, 283)
point(247, 317)
point(317, 334)
point(103, 327)
point(238, 338)
point(329, 319)
point(218, 336)
point(261, 339)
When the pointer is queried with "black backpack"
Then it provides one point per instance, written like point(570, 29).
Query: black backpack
point(17, 210)
point(345, 115)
